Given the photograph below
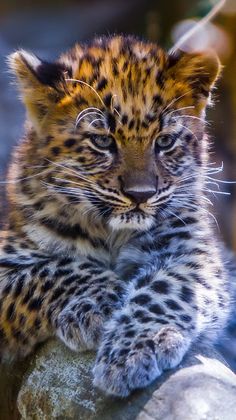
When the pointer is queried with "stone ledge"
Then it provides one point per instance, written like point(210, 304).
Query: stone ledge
point(58, 385)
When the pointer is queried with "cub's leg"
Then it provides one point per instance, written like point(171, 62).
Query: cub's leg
point(89, 296)
point(164, 313)
point(42, 296)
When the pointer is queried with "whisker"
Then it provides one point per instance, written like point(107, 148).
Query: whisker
point(215, 170)
point(18, 180)
point(175, 215)
point(180, 109)
point(73, 192)
point(220, 181)
point(94, 185)
point(119, 121)
point(202, 197)
point(97, 119)
point(71, 171)
point(193, 117)
point(213, 183)
point(196, 207)
point(89, 86)
point(217, 192)
point(91, 108)
point(87, 115)
point(112, 101)
point(175, 100)
point(188, 129)
point(114, 109)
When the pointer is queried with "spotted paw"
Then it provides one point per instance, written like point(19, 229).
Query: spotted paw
point(80, 325)
point(124, 370)
point(170, 347)
point(122, 367)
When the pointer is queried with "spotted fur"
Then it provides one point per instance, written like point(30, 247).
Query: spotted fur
point(110, 245)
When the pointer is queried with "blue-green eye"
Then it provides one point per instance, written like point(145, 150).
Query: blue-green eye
point(102, 141)
point(165, 142)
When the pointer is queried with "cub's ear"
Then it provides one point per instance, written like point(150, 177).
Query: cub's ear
point(41, 83)
point(199, 69)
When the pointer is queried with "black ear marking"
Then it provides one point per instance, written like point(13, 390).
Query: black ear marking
point(173, 58)
point(29, 69)
point(51, 74)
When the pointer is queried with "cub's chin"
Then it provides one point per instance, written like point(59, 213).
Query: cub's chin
point(131, 220)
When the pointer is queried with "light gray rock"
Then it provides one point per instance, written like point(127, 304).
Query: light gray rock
point(202, 392)
point(58, 385)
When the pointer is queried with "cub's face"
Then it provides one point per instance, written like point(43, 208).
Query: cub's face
point(118, 126)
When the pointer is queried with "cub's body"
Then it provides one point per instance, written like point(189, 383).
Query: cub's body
point(110, 243)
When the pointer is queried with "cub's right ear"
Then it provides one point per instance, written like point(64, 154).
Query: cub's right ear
point(41, 83)
point(32, 72)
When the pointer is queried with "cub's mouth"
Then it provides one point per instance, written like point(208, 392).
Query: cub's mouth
point(135, 219)
point(139, 216)
point(136, 209)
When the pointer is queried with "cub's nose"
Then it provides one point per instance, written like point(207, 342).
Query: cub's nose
point(140, 196)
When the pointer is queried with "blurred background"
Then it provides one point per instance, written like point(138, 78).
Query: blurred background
point(49, 27)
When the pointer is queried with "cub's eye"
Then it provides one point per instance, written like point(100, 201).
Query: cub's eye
point(102, 141)
point(165, 142)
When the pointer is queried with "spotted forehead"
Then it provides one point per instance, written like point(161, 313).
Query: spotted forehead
point(129, 77)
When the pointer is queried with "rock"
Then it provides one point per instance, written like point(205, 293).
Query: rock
point(203, 392)
point(58, 385)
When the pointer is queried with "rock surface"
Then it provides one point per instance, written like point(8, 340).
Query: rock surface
point(58, 385)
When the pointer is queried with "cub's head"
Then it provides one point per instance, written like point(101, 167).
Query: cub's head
point(117, 127)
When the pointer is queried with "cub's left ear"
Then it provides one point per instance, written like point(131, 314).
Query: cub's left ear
point(41, 83)
point(200, 70)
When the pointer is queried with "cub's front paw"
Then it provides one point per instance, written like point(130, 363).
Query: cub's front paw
point(126, 369)
point(80, 325)
point(124, 366)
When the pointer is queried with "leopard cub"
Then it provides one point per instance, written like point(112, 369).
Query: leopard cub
point(109, 244)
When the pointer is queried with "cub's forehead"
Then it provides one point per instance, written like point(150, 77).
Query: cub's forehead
point(127, 74)
point(114, 52)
